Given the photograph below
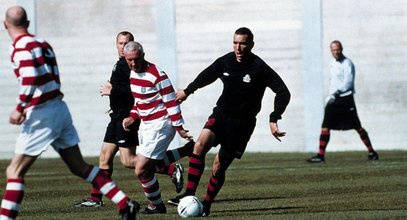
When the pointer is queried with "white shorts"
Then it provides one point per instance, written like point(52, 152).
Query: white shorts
point(154, 138)
point(47, 124)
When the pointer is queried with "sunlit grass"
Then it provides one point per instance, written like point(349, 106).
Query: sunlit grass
point(259, 186)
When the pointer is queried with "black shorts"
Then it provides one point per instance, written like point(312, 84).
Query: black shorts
point(341, 114)
point(115, 133)
point(233, 134)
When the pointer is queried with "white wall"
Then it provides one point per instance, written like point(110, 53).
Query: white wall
point(83, 36)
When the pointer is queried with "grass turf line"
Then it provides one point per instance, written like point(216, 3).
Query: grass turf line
point(259, 186)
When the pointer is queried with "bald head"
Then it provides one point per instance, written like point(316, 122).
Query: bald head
point(17, 17)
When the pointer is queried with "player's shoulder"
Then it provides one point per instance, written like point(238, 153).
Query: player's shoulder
point(155, 70)
point(29, 44)
point(348, 61)
point(226, 57)
point(258, 60)
point(224, 60)
point(121, 65)
point(121, 62)
point(27, 41)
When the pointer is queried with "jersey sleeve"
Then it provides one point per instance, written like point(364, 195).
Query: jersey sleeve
point(348, 74)
point(26, 72)
point(120, 81)
point(206, 77)
point(167, 93)
point(134, 113)
point(283, 95)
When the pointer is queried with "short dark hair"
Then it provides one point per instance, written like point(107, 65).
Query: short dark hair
point(337, 42)
point(245, 31)
point(125, 33)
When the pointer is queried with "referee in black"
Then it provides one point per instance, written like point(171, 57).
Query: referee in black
point(245, 77)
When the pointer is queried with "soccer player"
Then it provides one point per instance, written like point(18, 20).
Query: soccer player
point(116, 138)
point(340, 109)
point(245, 77)
point(45, 120)
point(161, 118)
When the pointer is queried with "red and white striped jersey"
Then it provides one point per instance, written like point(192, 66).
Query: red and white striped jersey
point(36, 69)
point(154, 96)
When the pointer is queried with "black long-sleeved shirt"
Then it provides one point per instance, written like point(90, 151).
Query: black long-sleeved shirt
point(244, 85)
point(121, 98)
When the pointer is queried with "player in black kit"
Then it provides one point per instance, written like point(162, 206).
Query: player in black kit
point(245, 77)
point(117, 139)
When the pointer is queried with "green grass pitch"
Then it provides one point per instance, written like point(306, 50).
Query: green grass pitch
point(259, 186)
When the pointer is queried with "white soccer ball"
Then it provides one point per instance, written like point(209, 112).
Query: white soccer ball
point(190, 206)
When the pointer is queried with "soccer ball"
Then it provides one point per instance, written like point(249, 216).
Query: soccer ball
point(190, 206)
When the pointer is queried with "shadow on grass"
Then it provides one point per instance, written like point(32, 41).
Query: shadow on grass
point(250, 199)
point(258, 211)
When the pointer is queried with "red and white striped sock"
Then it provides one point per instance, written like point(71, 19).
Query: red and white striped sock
point(96, 195)
point(106, 186)
point(10, 205)
point(152, 191)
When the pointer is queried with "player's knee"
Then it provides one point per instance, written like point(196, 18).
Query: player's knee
point(139, 171)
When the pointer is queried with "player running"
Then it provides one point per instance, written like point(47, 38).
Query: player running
point(117, 139)
point(245, 77)
point(45, 120)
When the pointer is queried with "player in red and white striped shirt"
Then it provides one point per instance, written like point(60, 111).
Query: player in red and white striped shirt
point(154, 104)
point(45, 120)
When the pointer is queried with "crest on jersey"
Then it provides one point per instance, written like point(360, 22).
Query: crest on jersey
point(143, 89)
point(247, 78)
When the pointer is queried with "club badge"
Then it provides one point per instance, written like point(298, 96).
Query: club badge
point(247, 78)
